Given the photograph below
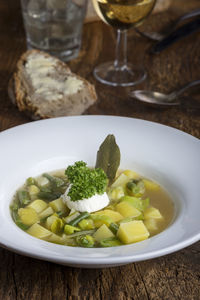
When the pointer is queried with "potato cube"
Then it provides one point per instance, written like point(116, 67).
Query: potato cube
point(116, 193)
point(38, 205)
point(127, 210)
point(151, 185)
point(132, 232)
point(152, 212)
point(103, 232)
point(131, 174)
point(120, 181)
point(39, 231)
point(151, 224)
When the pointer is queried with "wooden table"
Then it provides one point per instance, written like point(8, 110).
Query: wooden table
point(172, 277)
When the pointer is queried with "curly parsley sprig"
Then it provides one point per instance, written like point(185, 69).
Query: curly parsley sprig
point(85, 182)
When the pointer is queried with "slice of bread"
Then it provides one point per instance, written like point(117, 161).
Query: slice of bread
point(44, 87)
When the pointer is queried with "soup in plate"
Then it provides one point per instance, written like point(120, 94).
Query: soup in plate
point(79, 207)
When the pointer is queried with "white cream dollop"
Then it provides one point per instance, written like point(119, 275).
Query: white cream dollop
point(92, 204)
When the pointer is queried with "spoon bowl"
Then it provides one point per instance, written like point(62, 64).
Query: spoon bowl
point(154, 97)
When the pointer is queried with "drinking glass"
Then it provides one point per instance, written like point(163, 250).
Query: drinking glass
point(54, 26)
point(122, 15)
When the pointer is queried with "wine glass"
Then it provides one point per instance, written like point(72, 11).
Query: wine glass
point(121, 14)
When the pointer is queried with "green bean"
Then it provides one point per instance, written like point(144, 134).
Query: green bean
point(45, 189)
point(58, 182)
point(49, 196)
point(23, 197)
point(114, 227)
point(79, 218)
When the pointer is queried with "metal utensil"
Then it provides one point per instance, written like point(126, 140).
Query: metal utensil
point(160, 98)
point(156, 36)
point(179, 33)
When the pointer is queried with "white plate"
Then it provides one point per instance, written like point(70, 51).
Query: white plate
point(164, 154)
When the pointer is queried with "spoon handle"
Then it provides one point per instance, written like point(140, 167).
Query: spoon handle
point(176, 35)
point(176, 93)
point(193, 13)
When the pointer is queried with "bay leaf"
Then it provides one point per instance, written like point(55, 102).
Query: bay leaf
point(108, 157)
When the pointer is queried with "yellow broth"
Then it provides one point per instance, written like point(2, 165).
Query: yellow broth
point(161, 200)
point(101, 233)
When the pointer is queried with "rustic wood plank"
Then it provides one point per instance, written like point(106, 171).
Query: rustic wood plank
point(175, 276)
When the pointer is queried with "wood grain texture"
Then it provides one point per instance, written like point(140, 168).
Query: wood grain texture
point(172, 277)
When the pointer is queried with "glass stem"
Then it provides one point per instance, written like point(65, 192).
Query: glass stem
point(120, 62)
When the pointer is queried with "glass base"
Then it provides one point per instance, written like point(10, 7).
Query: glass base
point(64, 55)
point(127, 75)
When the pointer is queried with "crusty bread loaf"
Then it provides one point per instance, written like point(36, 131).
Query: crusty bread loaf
point(43, 87)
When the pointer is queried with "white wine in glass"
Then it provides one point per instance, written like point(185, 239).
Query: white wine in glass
point(122, 15)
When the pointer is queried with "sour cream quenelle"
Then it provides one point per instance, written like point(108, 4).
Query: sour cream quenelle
point(92, 204)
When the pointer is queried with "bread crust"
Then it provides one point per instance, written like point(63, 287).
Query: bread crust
point(21, 97)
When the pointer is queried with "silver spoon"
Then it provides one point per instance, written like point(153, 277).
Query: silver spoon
point(160, 98)
point(156, 36)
